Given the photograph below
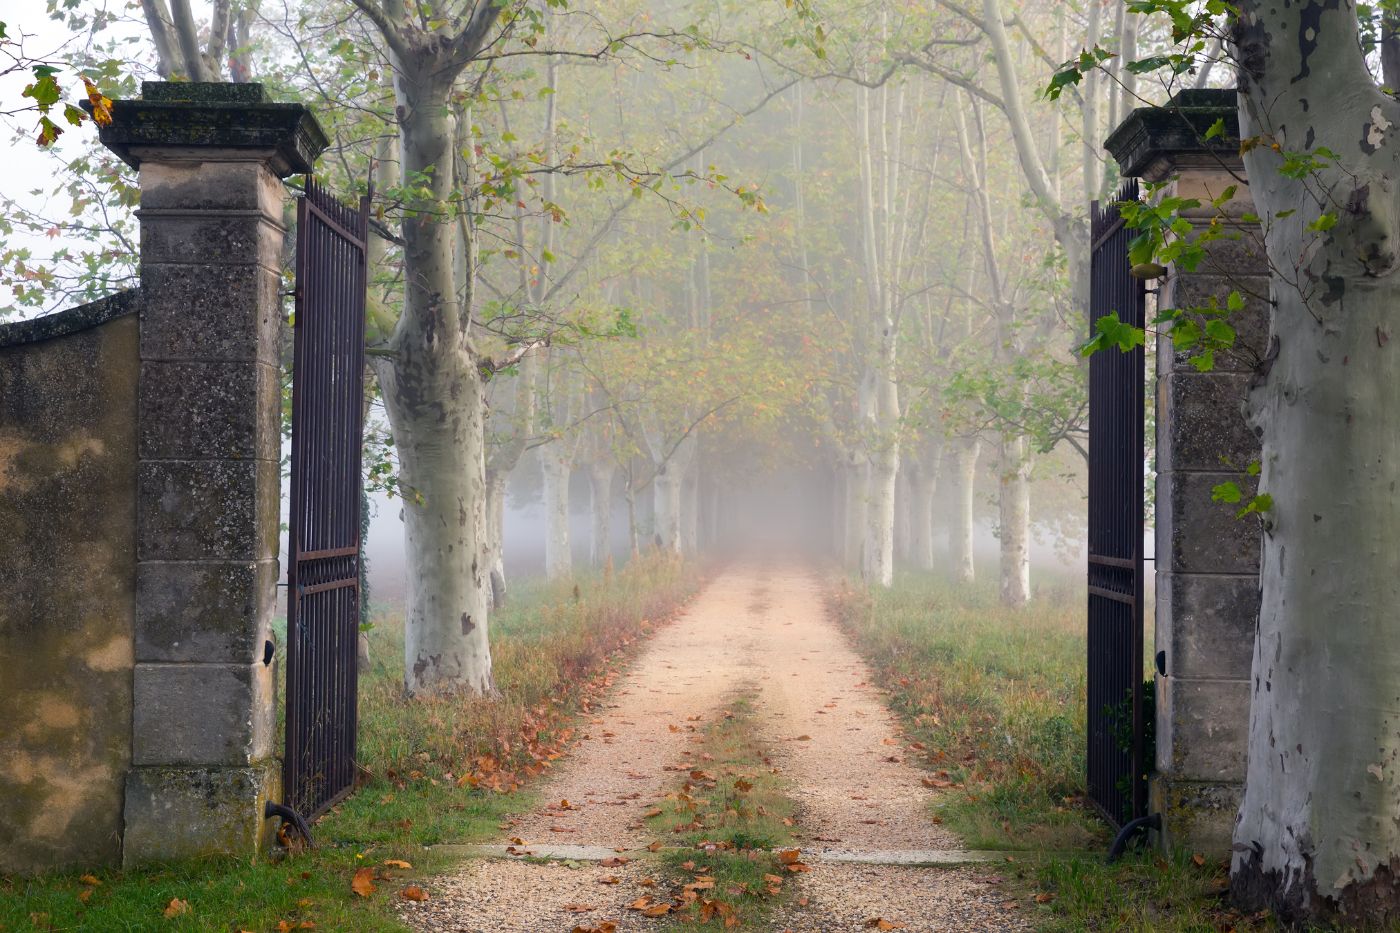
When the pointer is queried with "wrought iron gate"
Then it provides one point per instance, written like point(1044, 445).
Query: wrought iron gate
point(1117, 770)
point(323, 573)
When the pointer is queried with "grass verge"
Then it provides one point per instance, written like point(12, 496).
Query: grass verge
point(730, 825)
point(996, 698)
point(447, 770)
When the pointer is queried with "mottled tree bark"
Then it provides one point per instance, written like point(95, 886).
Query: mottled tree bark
point(1318, 835)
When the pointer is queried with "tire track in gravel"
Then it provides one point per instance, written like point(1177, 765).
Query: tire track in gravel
point(828, 730)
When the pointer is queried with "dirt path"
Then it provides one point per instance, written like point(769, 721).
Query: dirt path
point(828, 731)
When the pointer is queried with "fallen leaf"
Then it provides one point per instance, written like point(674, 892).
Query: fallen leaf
point(90, 879)
point(789, 856)
point(1198, 858)
point(176, 908)
point(363, 882)
point(614, 861)
point(803, 738)
point(413, 893)
point(396, 863)
point(578, 908)
point(880, 923)
point(655, 846)
point(1044, 898)
point(610, 879)
point(660, 910)
point(85, 894)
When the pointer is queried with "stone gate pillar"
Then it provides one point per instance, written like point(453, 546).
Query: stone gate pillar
point(211, 159)
point(1207, 560)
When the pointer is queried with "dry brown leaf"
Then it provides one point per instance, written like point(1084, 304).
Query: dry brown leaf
point(90, 879)
point(176, 908)
point(1198, 858)
point(85, 895)
point(396, 863)
point(789, 856)
point(614, 861)
point(641, 903)
point(1044, 898)
point(610, 879)
point(880, 923)
point(655, 846)
point(413, 893)
point(660, 910)
point(803, 738)
point(363, 882)
point(578, 908)
point(742, 786)
point(655, 811)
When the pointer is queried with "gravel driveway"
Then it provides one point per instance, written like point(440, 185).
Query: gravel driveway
point(828, 731)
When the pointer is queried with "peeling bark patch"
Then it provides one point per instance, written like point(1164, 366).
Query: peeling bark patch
point(467, 623)
point(1375, 131)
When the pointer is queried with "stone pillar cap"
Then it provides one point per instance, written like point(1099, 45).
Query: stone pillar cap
point(211, 120)
point(1154, 143)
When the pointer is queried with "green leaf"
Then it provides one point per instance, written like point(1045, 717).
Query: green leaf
point(1216, 129)
point(45, 90)
point(1220, 333)
point(1227, 492)
point(1147, 65)
point(1061, 80)
point(1257, 506)
point(1254, 468)
point(1235, 302)
point(1113, 332)
point(1323, 223)
point(1185, 334)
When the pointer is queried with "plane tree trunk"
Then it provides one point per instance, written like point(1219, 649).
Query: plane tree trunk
point(1014, 508)
point(1318, 836)
point(961, 524)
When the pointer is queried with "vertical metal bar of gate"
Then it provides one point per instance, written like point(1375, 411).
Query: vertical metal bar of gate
point(1116, 765)
point(323, 572)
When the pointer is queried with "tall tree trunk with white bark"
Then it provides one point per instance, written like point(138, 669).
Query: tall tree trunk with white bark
point(962, 523)
point(557, 464)
point(1014, 527)
point(923, 486)
point(600, 482)
point(1317, 836)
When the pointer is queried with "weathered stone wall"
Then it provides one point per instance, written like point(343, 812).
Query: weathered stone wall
point(68, 386)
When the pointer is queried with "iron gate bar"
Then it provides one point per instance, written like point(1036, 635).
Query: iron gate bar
point(1116, 775)
point(323, 573)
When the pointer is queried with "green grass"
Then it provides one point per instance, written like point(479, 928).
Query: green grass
point(445, 770)
point(996, 697)
point(731, 820)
